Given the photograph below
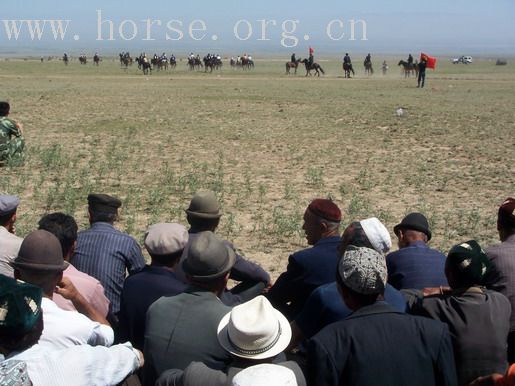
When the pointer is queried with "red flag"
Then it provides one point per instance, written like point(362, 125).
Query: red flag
point(311, 51)
point(431, 62)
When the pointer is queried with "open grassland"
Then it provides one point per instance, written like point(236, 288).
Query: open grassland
point(267, 143)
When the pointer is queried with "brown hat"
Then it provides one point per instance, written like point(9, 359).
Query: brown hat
point(40, 250)
point(208, 258)
point(103, 203)
point(204, 205)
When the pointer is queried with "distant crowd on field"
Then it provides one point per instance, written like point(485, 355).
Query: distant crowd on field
point(84, 308)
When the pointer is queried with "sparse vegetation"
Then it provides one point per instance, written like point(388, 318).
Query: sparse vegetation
point(266, 144)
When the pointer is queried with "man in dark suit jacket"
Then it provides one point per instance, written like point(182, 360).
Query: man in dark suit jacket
point(415, 265)
point(312, 267)
point(182, 328)
point(377, 344)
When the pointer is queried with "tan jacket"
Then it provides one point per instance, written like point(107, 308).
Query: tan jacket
point(9, 248)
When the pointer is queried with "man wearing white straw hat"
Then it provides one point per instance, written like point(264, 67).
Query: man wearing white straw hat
point(253, 333)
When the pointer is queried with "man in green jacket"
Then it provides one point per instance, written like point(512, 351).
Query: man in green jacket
point(11, 136)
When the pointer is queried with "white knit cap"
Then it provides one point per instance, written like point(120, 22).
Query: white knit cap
point(265, 374)
point(377, 234)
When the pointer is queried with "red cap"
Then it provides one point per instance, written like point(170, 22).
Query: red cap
point(326, 209)
point(506, 217)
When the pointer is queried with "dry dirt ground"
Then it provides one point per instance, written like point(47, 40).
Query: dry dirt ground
point(267, 144)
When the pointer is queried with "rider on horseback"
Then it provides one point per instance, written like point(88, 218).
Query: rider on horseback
point(368, 58)
point(410, 59)
point(346, 59)
point(293, 58)
point(311, 58)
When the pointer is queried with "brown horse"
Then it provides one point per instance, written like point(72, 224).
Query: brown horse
point(368, 67)
point(347, 69)
point(83, 59)
point(408, 68)
point(290, 65)
point(315, 66)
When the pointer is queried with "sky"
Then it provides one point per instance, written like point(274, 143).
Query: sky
point(453, 27)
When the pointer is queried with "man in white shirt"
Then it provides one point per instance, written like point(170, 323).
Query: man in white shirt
point(9, 242)
point(40, 262)
point(21, 324)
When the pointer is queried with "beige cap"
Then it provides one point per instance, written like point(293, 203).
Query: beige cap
point(165, 238)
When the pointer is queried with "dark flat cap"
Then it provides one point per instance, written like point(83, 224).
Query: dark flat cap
point(40, 250)
point(415, 221)
point(104, 203)
point(8, 204)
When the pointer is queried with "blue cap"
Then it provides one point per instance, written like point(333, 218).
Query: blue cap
point(8, 204)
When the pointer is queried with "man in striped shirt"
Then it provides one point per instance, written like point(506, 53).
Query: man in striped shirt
point(104, 252)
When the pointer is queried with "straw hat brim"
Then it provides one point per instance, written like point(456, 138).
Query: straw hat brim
point(277, 348)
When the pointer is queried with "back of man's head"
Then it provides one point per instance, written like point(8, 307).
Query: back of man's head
point(63, 227)
point(21, 321)
point(506, 218)
point(362, 275)
point(208, 261)
point(8, 207)
point(103, 208)
point(4, 108)
point(368, 233)
point(165, 243)
point(40, 261)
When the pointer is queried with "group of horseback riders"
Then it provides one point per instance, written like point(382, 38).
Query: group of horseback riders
point(347, 64)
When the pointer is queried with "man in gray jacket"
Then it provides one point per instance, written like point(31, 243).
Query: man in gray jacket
point(182, 328)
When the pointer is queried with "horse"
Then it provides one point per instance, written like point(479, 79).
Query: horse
point(96, 60)
point(246, 63)
point(83, 59)
point(290, 65)
point(408, 68)
point(155, 61)
point(125, 59)
point(173, 62)
point(162, 64)
point(368, 67)
point(347, 69)
point(144, 65)
point(314, 66)
point(194, 63)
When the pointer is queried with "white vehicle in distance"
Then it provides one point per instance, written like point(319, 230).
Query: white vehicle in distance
point(463, 59)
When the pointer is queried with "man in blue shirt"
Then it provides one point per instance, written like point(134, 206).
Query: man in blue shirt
point(311, 267)
point(415, 265)
point(325, 305)
point(104, 252)
point(377, 344)
point(165, 244)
